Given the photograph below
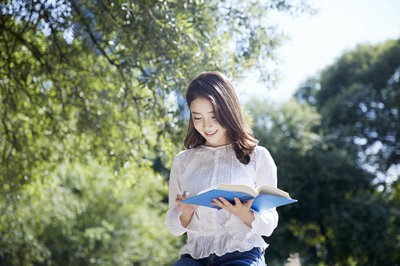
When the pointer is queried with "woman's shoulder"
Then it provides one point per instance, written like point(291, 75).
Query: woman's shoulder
point(184, 154)
point(260, 149)
point(261, 153)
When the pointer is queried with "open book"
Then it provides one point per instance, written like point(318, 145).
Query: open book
point(265, 197)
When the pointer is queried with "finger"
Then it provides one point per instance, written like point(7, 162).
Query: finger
point(179, 199)
point(237, 201)
point(248, 203)
point(225, 202)
point(179, 196)
point(218, 203)
point(218, 206)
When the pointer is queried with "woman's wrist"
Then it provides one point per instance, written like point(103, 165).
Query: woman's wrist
point(186, 217)
point(248, 218)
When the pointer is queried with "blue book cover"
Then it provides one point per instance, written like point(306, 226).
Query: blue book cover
point(261, 201)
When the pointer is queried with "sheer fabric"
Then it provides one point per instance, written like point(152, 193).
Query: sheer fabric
point(212, 231)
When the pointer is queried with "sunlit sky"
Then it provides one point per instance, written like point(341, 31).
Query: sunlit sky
point(317, 40)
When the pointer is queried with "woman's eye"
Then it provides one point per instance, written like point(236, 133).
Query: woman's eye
point(197, 118)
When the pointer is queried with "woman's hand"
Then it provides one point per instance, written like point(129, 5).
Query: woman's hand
point(186, 209)
point(241, 210)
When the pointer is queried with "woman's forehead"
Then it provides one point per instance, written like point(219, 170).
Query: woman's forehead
point(201, 106)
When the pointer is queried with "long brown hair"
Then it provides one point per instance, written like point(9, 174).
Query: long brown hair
point(217, 88)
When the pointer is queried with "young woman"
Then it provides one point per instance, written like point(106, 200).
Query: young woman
point(220, 149)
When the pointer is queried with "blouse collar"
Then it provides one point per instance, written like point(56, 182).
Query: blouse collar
point(216, 148)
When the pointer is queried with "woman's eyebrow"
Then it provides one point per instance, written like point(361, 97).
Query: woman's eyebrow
point(196, 113)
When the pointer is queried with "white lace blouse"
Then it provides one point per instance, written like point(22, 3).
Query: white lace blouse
point(219, 231)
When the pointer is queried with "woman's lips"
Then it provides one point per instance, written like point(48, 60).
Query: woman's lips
point(211, 134)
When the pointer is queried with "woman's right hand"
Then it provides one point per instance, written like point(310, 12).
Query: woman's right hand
point(184, 207)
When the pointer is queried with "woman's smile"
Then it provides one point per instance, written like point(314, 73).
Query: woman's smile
point(211, 134)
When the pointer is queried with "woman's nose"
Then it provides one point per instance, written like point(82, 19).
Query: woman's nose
point(207, 123)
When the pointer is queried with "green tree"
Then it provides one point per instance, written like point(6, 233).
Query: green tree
point(358, 97)
point(339, 218)
point(87, 123)
point(332, 148)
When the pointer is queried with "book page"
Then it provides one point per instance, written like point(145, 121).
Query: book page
point(249, 190)
point(273, 191)
point(238, 188)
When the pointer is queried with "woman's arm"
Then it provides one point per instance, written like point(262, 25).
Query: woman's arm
point(172, 217)
point(186, 209)
point(265, 221)
point(180, 216)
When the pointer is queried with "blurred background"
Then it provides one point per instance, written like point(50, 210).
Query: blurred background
point(93, 112)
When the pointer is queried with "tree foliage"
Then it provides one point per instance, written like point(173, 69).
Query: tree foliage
point(333, 145)
point(340, 215)
point(90, 120)
point(358, 97)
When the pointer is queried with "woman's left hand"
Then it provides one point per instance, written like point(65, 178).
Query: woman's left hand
point(241, 210)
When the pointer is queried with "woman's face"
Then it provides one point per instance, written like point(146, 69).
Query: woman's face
point(206, 124)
